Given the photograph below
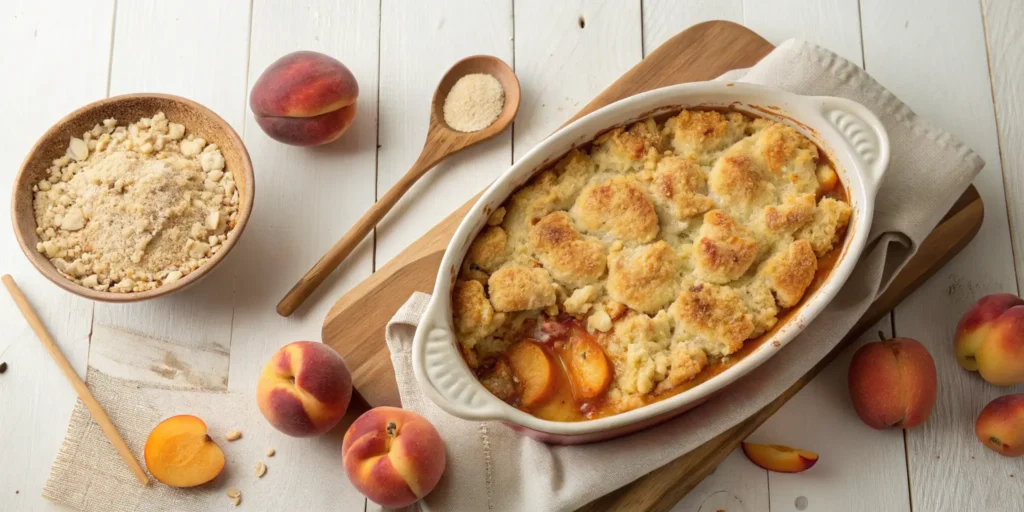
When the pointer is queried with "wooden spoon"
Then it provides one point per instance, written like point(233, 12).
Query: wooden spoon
point(441, 142)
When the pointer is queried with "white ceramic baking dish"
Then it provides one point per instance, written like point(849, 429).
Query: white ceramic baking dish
point(853, 139)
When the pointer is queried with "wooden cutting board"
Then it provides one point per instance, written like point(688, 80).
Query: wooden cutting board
point(355, 325)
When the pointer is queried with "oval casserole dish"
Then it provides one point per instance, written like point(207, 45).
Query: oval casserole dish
point(852, 138)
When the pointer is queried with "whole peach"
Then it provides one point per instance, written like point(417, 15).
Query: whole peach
point(394, 457)
point(305, 99)
point(893, 383)
point(990, 339)
point(304, 389)
point(1000, 425)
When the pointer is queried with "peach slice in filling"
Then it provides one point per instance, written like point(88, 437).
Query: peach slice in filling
point(533, 368)
point(779, 458)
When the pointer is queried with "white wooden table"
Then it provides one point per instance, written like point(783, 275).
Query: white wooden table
point(959, 63)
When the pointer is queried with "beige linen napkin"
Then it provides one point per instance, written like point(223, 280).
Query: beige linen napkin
point(492, 468)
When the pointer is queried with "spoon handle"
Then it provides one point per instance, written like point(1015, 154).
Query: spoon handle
point(342, 248)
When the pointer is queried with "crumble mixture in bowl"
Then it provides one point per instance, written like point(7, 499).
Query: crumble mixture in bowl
point(133, 208)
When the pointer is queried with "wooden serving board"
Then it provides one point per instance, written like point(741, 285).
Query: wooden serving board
point(355, 325)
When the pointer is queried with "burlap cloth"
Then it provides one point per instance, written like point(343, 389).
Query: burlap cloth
point(489, 466)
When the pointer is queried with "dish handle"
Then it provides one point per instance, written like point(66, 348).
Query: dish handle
point(863, 132)
point(445, 378)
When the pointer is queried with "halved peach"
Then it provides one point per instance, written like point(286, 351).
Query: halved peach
point(179, 452)
point(779, 458)
point(588, 366)
point(533, 367)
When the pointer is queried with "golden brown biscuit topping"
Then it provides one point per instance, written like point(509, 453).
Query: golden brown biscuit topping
point(667, 245)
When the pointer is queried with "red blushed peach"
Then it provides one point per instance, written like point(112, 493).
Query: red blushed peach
point(1000, 425)
point(779, 458)
point(893, 383)
point(394, 457)
point(305, 99)
point(990, 339)
point(305, 389)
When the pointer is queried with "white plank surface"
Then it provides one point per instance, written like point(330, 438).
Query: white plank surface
point(666, 18)
point(51, 65)
point(567, 53)
point(821, 418)
point(419, 41)
point(1004, 21)
point(931, 54)
point(208, 66)
point(307, 199)
point(949, 85)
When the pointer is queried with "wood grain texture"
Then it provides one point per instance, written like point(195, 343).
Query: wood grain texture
point(441, 142)
point(44, 51)
point(950, 87)
point(661, 489)
point(355, 325)
point(1004, 23)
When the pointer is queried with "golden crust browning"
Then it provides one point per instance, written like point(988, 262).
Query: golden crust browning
point(680, 183)
point(617, 208)
point(516, 288)
point(724, 251)
point(474, 317)
point(644, 278)
point(790, 271)
point(787, 217)
point(714, 313)
point(824, 230)
point(697, 134)
point(738, 182)
point(625, 149)
point(488, 249)
point(572, 259)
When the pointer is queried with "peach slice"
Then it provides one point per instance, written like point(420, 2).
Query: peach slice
point(532, 366)
point(779, 458)
point(588, 367)
point(827, 180)
point(179, 452)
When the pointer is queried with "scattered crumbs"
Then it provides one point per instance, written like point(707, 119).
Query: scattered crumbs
point(582, 22)
point(271, 452)
point(234, 435)
point(1011, 475)
point(3, 367)
point(19, 492)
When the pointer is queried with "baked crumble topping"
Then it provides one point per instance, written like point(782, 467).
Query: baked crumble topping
point(667, 245)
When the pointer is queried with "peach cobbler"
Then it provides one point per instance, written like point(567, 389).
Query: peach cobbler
point(640, 265)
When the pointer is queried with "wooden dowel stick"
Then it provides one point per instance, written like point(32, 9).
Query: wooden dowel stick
point(84, 394)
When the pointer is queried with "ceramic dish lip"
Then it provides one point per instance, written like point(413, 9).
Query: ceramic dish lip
point(22, 186)
point(854, 140)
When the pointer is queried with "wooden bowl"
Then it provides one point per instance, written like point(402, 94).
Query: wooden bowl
point(128, 109)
